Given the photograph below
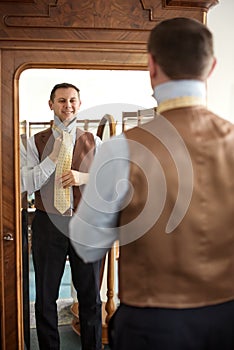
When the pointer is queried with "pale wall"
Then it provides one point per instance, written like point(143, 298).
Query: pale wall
point(221, 84)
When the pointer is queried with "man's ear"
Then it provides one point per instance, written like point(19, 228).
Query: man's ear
point(212, 66)
point(50, 103)
point(151, 66)
point(153, 71)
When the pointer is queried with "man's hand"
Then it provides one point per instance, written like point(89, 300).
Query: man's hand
point(73, 178)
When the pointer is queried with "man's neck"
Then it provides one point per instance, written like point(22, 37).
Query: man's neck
point(65, 125)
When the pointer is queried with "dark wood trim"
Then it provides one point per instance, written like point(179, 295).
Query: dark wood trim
point(202, 4)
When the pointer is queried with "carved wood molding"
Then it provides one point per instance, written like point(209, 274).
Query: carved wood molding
point(101, 14)
point(112, 14)
point(156, 9)
point(21, 1)
point(203, 4)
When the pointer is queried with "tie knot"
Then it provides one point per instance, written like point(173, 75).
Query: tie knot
point(67, 139)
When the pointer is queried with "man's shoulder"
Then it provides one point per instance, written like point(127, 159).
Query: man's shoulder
point(42, 137)
point(43, 133)
point(84, 133)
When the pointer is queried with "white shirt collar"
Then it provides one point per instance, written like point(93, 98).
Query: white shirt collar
point(179, 88)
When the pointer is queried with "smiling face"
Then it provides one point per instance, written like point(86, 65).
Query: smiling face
point(65, 104)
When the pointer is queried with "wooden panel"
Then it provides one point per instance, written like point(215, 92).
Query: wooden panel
point(83, 14)
point(122, 17)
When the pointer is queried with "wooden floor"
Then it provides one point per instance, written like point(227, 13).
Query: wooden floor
point(69, 340)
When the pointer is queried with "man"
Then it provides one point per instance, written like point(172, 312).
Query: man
point(50, 244)
point(165, 191)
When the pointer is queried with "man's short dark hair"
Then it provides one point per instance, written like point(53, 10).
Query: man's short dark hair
point(63, 86)
point(183, 48)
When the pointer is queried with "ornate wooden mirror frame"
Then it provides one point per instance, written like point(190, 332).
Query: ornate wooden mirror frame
point(100, 34)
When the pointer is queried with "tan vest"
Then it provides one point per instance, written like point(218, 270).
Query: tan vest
point(83, 154)
point(194, 264)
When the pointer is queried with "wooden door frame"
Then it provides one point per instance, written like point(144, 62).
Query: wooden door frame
point(16, 124)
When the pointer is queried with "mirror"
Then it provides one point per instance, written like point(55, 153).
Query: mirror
point(103, 92)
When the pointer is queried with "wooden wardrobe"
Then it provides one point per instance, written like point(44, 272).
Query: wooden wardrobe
point(90, 34)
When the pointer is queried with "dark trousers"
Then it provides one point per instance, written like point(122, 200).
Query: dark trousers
point(205, 328)
point(50, 248)
point(25, 260)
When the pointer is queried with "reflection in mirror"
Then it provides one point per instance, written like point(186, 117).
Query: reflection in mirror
point(104, 94)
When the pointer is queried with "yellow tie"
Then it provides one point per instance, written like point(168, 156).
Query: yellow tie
point(62, 199)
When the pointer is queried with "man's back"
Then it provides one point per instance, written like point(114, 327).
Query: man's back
point(193, 256)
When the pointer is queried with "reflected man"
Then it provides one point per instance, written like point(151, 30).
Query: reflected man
point(50, 245)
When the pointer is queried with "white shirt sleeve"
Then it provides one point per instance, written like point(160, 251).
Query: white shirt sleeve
point(93, 228)
point(23, 166)
point(37, 173)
